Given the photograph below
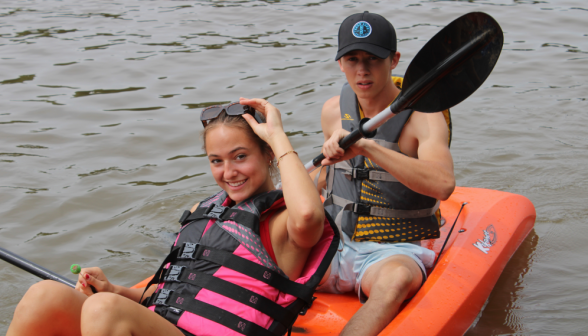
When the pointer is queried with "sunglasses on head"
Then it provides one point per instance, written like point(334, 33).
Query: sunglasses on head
point(232, 109)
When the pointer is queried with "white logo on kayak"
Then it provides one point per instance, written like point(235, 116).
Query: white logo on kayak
point(489, 239)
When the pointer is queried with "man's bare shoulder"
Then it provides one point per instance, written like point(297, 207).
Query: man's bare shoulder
point(424, 129)
point(331, 106)
point(331, 116)
point(424, 123)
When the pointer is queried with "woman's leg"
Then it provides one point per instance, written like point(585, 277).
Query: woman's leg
point(48, 308)
point(107, 314)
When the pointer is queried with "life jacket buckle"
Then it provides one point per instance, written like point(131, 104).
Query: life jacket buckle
point(163, 296)
point(175, 310)
point(305, 308)
point(188, 251)
point(215, 211)
point(173, 273)
point(361, 174)
point(361, 209)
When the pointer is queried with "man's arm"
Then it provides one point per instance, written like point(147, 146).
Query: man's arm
point(431, 171)
point(428, 168)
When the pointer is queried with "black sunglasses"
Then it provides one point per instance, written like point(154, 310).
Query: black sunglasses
point(232, 109)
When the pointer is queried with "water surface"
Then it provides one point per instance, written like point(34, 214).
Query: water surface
point(100, 150)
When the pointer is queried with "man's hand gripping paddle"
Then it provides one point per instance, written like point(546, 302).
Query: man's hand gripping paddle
point(447, 70)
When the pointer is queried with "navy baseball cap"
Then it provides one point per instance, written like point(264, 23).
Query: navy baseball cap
point(368, 32)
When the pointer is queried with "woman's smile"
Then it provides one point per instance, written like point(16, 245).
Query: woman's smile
point(236, 184)
point(237, 163)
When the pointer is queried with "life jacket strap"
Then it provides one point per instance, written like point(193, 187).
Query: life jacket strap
point(387, 144)
point(238, 264)
point(222, 213)
point(255, 271)
point(364, 173)
point(228, 289)
point(368, 174)
point(157, 277)
point(317, 176)
point(167, 300)
point(364, 209)
point(176, 305)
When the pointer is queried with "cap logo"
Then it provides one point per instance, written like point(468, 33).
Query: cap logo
point(361, 29)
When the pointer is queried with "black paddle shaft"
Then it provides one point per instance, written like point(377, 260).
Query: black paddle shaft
point(33, 268)
point(447, 70)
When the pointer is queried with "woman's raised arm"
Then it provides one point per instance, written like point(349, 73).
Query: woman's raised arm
point(305, 210)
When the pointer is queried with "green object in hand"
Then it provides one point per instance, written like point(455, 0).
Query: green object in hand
point(75, 269)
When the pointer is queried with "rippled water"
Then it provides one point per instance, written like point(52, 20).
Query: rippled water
point(100, 148)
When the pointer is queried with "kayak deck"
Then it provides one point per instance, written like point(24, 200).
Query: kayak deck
point(490, 228)
point(488, 231)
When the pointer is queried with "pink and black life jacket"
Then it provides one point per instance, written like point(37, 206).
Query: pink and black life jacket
point(219, 279)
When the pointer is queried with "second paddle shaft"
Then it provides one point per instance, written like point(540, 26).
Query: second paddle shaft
point(33, 268)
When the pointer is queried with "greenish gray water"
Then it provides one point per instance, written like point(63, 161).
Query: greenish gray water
point(100, 150)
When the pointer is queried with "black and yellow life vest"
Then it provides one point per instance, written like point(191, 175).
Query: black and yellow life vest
point(367, 202)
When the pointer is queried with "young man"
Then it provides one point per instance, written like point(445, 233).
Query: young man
point(383, 192)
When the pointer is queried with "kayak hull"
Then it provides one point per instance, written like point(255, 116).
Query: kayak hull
point(490, 228)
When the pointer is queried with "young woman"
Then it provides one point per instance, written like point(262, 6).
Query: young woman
point(246, 261)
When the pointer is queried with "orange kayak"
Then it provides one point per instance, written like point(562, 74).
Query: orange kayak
point(489, 230)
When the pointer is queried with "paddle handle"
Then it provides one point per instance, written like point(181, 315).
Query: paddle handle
point(367, 129)
point(33, 268)
point(346, 142)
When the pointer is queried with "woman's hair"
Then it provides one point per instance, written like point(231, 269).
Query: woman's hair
point(240, 122)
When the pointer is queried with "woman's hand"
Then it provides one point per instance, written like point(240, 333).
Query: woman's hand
point(273, 125)
point(333, 153)
point(94, 277)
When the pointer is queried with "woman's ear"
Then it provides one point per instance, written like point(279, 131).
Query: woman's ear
point(270, 155)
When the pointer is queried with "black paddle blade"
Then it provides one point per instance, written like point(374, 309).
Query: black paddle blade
point(454, 63)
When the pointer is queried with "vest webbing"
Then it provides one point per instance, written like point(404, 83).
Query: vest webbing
point(181, 303)
point(176, 269)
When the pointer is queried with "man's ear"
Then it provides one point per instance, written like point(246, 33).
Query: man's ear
point(340, 65)
point(394, 59)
